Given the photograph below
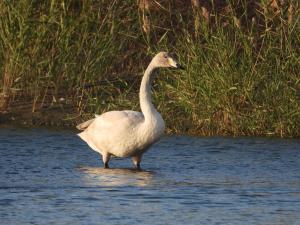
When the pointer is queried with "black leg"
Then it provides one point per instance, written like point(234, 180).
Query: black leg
point(137, 161)
point(138, 166)
point(105, 159)
point(106, 166)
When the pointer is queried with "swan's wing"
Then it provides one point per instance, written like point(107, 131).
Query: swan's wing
point(116, 119)
point(113, 118)
point(133, 115)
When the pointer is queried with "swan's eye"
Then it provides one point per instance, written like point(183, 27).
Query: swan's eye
point(165, 56)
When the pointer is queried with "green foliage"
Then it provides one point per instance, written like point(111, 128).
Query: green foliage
point(241, 78)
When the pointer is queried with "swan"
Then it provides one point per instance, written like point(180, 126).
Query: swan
point(129, 133)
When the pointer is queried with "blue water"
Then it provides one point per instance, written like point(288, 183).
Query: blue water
point(52, 177)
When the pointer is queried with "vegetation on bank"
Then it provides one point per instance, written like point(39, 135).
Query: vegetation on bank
point(74, 58)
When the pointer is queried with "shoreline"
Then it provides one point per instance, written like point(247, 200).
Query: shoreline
point(58, 119)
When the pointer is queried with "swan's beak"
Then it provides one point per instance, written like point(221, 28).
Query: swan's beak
point(173, 63)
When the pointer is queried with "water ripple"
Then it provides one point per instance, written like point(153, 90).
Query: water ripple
point(51, 177)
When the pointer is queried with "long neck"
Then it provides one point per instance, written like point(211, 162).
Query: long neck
point(145, 94)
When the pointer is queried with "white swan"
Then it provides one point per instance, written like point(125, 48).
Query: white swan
point(129, 133)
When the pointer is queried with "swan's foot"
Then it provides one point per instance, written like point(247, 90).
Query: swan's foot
point(105, 159)
point(137, 161)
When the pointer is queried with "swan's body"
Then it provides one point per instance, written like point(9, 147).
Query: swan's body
point(128, 133)
point(122, 133)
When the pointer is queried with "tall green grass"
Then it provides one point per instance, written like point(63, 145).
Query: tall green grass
point(242, 65)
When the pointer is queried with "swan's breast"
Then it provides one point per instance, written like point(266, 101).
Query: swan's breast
point(151, 131)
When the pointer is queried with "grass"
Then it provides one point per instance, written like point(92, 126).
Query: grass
point(242, 75)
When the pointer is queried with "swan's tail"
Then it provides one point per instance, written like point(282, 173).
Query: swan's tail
point(84, 125)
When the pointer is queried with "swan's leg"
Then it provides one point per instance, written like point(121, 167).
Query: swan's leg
point(137, 161)
point(105, 159)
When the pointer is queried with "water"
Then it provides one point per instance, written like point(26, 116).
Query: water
point(52, 177)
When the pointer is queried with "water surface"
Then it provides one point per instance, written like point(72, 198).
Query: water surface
point(52, 177)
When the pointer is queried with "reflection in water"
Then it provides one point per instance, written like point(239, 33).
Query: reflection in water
point(96, 176)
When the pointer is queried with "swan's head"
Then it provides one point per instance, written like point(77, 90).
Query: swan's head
point(165, 59)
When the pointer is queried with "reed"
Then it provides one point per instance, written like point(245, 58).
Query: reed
point(242, 61)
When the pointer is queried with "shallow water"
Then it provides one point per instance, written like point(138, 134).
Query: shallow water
point(52, 177)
